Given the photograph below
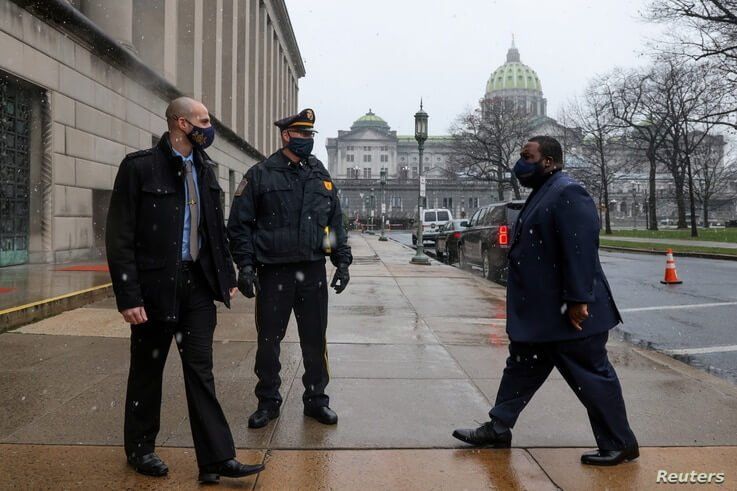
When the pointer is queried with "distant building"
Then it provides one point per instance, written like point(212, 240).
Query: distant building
point(517, 82)
point(357, 156)
point(83, 82)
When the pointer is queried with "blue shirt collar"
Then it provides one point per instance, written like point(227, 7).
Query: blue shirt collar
point(189, 157)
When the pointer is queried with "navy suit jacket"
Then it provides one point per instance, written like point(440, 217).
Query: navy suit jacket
point(554, 260)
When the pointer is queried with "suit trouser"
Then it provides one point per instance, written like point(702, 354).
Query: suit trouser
point(150, 343)
point(584, 365)
point(301, 287)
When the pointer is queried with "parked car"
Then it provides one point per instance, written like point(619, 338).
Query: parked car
point(488, 237)
point(446, 244)
point(730, 223)
point(432, 219)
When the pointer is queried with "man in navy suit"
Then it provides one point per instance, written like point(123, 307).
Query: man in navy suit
point(559, 310)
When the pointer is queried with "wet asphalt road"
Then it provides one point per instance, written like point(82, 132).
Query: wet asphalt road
point(695, 322)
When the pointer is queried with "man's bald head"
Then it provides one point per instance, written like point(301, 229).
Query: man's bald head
point(183, 116)
point(184, 107)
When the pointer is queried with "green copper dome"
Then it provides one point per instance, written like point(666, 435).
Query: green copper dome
point(370, 120)
point(513, 75)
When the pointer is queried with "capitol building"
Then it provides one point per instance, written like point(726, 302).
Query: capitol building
point(357, 156)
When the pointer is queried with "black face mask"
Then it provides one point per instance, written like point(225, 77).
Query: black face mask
point(302, 147)
point(529, 174)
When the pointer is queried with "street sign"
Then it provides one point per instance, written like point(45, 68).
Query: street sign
point(383, 208)
point(423, 180)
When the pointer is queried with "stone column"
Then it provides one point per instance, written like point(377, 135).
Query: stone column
point(115, 18)
point(219, 61)
point(199, 20)
point(242, 68)
point(254, 71)
point(279, 85)
point(269, 133)
point(183, 49)
point(171, 17)
point(262, 80)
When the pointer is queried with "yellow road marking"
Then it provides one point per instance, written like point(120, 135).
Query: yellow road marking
point(53, 299)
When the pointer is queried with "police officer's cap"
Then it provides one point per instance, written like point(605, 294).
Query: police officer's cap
point(304, 121)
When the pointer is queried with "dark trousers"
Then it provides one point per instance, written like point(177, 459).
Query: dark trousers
point(149, 347)
point(301, 287)
point(584, 365)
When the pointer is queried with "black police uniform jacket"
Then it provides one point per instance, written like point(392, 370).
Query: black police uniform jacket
point(281, 217)
point(144, 231)
point(554, 260)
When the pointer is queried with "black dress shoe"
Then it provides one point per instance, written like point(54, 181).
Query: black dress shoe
point(210, 474)
point(491, 434)
point(610, 457)
point(148, 465)
point(323, 414)
point(261, 417)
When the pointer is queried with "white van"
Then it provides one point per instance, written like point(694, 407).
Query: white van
point(432, 220)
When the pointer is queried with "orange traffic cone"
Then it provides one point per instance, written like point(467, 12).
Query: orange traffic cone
point(671, 277)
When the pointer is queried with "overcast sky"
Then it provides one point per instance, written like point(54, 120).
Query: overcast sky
point(385, 55)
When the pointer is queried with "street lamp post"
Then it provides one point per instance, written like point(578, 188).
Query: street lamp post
point(420, 135)
point(372, 206)
point(383, 238)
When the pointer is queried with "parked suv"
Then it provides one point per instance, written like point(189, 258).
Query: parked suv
point(432, 219)
point(488, 237)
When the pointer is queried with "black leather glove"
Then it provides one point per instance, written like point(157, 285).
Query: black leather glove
point(340, 278)
point(247, 280)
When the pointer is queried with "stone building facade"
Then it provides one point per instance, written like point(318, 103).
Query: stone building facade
point(356, 158)
point(83, 82)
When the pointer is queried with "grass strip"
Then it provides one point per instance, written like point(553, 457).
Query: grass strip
point(655, 246)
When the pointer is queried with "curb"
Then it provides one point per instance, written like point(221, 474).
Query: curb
point(49, 307)
point(683, 364)
point(700, 255)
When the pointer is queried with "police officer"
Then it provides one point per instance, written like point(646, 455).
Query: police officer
point(169, 262)
point(284, 221)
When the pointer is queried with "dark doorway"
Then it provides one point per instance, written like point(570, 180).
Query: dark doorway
point(15, 121)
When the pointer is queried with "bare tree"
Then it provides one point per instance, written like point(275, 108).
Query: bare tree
point(702, 30)
point(711, 173)
point(694, 102)
point(710, 27)
point(600, 156)
point(486, 142)
point(635, 102)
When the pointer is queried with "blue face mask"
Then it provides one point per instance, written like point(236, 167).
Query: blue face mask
point(200, 137)
point(302, 147)
point(529, 174)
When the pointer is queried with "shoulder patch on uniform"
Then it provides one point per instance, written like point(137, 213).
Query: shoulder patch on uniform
point(242, 186)
point(328, 185)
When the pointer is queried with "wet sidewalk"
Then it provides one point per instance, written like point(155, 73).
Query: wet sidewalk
point(31, 292)
point(414, 353)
